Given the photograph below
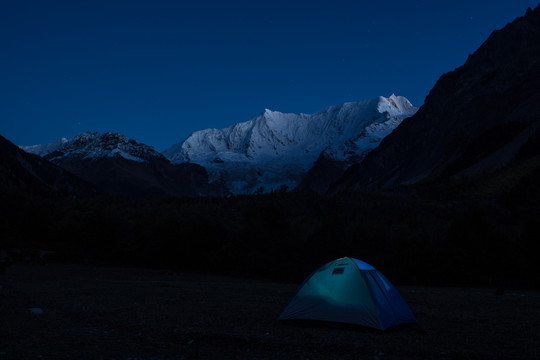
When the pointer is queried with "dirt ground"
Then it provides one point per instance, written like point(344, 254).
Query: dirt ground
point(58, 311)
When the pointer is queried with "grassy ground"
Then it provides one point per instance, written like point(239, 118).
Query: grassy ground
point(104, 313)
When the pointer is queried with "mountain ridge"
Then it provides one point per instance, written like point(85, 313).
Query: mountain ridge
point(119, 165)
point(272, 151)
point(280, 129)
point(93, 145)
point(276, 149)
point(474, 119)
point(24, 172)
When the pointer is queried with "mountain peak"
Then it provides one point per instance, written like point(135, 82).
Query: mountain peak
point(399, 103)
point(533, 14)
point(93, 145)
point(271, 114)
point(42, 150)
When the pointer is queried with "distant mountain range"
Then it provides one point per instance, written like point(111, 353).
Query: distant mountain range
point(481, 117)
point(118, 165)
point(271, 151)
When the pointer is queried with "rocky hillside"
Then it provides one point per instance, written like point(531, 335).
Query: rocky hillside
point(28, 173)
point(475, 119)
point(118, 165)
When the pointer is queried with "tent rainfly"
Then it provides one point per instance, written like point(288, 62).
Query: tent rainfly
point(349, 291)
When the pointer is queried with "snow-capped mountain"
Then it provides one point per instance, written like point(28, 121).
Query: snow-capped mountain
point(93, 145)
point(45, 149)
point(276, 149)
point(119, 165)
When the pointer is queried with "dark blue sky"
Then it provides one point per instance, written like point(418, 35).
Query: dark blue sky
point(158, 70)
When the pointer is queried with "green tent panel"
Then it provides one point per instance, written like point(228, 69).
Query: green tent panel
point(349, 291)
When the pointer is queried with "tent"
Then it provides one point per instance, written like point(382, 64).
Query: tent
point(349, 291)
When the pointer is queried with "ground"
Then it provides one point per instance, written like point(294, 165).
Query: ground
point(117, 313)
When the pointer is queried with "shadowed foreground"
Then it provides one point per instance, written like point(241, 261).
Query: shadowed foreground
point(111, 313)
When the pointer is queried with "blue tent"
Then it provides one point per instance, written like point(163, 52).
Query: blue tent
point(349, 291)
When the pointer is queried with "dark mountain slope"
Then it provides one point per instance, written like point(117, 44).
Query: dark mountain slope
point(122, 166)
point(475, 119)
point(322, 175)
point(23, 172)
point(157, 177)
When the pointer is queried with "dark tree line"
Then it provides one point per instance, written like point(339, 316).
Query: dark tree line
point(414, 237)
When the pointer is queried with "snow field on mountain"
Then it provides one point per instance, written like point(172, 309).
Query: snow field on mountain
point(275, 149)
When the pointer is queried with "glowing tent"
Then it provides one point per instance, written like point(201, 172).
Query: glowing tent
point(349, 291)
